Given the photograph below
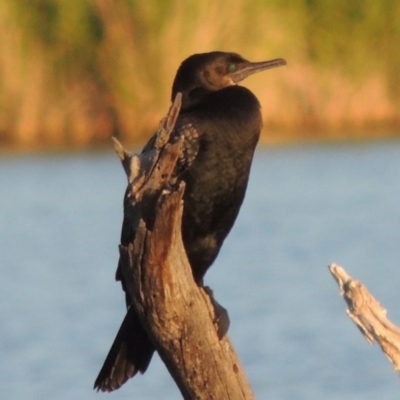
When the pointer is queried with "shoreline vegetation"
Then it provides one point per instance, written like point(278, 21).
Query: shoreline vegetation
point(73, 74)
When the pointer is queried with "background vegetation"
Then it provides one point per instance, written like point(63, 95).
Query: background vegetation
point(73, 73)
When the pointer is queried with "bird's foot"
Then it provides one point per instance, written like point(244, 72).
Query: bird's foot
point(221, 320)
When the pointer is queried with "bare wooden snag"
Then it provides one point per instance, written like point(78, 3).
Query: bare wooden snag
point(176, 313)
point(368, 315)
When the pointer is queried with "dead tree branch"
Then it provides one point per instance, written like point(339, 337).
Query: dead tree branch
point(368, 315)
point(176, 313)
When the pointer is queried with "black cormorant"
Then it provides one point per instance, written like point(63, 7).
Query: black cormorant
point(225, 124)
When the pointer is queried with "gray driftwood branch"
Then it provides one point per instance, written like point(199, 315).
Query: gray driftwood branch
point(176, 313)
point(368, 315)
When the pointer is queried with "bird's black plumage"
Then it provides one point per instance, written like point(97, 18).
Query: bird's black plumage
point(221, 124)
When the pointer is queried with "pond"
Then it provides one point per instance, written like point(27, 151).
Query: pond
point(306, 207)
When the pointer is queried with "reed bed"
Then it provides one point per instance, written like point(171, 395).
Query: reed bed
point(75, 73)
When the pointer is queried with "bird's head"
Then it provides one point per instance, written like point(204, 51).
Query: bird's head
point(208, 72)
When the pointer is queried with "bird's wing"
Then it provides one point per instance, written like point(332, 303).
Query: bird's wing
point(127, 236)
point(185, 127)
point(132, 349)
point(191, 143)
point(190, 134)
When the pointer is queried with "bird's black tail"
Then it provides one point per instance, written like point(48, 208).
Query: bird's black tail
point(130, 353)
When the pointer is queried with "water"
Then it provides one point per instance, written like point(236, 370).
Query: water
point(306, 207)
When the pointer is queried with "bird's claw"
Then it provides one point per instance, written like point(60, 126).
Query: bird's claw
point(221, 316)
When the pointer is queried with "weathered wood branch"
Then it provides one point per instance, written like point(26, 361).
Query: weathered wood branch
point(368, 315)
point(176, 313)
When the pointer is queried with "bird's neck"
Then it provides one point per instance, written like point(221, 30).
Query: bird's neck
point(193, 97)
point(231, 99)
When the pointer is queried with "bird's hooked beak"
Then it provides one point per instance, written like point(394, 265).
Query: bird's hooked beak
point(252, 67)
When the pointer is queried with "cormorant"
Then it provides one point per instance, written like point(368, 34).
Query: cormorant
point(221, 124)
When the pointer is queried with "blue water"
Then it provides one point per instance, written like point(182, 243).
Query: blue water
point(306, 206)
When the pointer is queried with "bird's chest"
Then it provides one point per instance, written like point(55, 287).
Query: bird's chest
point(217, 179)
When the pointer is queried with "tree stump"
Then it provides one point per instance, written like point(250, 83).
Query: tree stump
point(176, 313)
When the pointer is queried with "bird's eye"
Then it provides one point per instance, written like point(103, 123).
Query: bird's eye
point(232, 67)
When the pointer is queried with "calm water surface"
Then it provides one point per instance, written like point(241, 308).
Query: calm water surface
point(306, 207)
